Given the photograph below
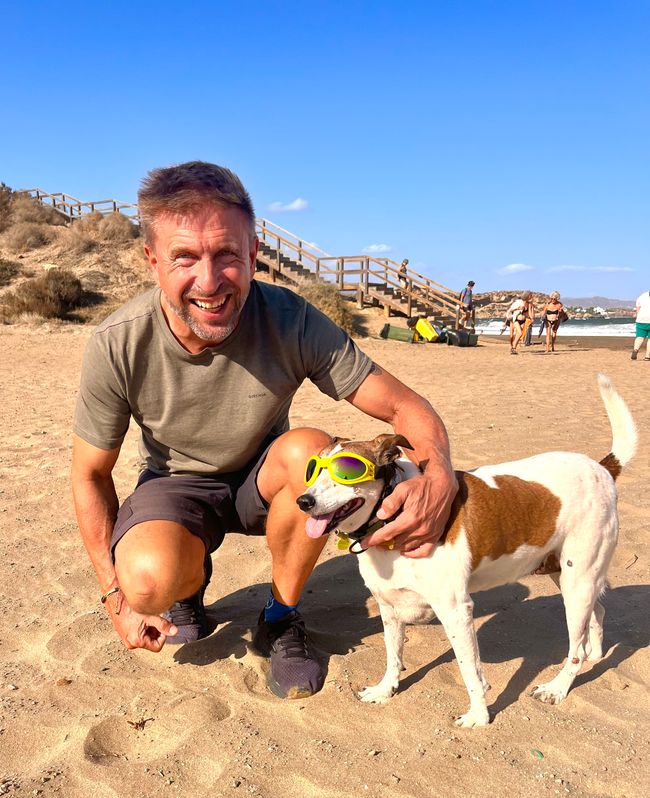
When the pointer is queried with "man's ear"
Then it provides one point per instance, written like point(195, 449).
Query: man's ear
point(150, 255)
point(255, 244)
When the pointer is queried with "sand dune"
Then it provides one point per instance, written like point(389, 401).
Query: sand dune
point(80, 715)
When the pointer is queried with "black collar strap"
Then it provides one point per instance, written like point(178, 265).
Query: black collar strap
point(389, 473)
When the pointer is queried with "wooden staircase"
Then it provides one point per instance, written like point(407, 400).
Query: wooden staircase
point(368, 280)
point(374, 281)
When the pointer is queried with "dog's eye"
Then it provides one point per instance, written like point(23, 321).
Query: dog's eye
point(349, 468)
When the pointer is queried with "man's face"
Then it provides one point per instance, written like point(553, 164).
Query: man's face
point(204, 264)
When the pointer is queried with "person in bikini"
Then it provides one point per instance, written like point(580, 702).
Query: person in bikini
point(553, 312)
point(519, 314)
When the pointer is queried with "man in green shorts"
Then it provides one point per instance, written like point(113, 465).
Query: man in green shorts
point(207, 364)
point(642, 325)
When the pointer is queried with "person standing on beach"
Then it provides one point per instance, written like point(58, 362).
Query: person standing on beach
point(207, 364)
point(642, 325)
point(553, 314)
point(466, 304)
point(520, 313)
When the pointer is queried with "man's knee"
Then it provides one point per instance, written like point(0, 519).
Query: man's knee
point(151, 572)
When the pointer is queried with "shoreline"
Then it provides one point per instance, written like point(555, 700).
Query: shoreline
point(612, 342)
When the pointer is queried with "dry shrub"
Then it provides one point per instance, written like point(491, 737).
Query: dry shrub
point(117, 228)
point(88, 224)
point(23, 236)
point(52, 295)
point(26, 209)
point(6, 202)
point(8, 270)
point(79, 242)
point(329, 301)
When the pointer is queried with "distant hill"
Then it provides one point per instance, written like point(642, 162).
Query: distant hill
point(494, 304)
point(597, 301)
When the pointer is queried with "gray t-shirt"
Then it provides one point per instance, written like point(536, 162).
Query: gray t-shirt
point(211, 412)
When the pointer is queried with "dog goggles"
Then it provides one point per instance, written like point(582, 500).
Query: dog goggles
point(346, 468)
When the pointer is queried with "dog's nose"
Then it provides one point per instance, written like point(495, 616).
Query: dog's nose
point(305, 502)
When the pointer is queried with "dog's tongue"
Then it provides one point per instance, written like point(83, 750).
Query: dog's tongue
point(315, 527)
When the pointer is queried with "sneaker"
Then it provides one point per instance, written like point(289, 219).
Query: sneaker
point(188, 616)
point(633, 355)
point(295, 670)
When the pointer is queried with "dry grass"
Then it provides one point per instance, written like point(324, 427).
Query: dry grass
point(23, 236)
point(52, 295)
point(117, 228)
point(26, 209)
point(8, 270)
point(6, 201)
point(327, 299)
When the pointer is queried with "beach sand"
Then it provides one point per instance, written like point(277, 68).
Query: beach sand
point(81, 716)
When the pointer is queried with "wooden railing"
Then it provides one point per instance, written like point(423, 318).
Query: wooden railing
point(360, 273)
point(352, 271)
point(74, 208)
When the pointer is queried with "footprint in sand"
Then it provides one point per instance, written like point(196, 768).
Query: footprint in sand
point(75, 639)
point(148, 736)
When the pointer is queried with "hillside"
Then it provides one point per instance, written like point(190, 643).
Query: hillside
point(494, 304)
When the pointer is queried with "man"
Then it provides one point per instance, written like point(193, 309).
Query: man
point(403, 272)
point(466, 303)
point(207, 365)
point(642, 325)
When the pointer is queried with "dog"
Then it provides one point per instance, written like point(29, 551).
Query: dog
point(506, 521)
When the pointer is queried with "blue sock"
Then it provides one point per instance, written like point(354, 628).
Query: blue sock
point(275, 610)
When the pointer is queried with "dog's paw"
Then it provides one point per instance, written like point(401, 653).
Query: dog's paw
point(475, 717)
point(377, 694)
point(548, 693)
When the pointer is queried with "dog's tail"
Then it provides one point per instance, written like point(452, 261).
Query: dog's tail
point(624, 436)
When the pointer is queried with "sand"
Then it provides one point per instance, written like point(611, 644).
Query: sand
point(81, 716)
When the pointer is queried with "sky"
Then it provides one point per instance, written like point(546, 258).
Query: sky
point(504, 142)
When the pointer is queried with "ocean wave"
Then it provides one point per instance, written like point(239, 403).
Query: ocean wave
point(623, 328)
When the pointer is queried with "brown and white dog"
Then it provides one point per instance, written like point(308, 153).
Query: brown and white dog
point(506, 520)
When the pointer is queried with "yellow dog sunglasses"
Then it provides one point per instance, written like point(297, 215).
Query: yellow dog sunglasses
point(346, 468)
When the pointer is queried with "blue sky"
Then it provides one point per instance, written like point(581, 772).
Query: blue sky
point(507, 142)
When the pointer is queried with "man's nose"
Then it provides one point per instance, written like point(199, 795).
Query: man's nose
point(209, 276)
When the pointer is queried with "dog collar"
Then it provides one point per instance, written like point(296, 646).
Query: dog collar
point(373, 525)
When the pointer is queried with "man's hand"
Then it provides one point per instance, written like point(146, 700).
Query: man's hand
point(424, 504)
point(135, 630)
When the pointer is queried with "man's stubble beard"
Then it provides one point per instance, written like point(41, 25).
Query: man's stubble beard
point(208, 334)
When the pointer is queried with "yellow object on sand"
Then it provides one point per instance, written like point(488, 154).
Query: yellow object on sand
point(426, 330)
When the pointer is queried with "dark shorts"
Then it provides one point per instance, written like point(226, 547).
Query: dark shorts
point(208, 506)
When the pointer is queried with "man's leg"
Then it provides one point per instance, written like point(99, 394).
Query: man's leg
point(295, 670)
point(159, 564)
point(638, 343)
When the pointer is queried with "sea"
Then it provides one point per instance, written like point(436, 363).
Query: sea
point(615, 326)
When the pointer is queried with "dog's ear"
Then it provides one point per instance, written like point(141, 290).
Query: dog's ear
point(336, 440)
point(387, 447)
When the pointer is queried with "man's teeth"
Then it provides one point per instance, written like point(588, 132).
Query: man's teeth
point(209, 305)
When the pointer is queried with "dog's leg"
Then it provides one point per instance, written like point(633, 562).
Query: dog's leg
point(594, 645)
point(458, 622)
point(580, 595)
point(394, 629)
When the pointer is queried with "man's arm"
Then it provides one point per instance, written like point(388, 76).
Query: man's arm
point(96, 506)
point(425, 501)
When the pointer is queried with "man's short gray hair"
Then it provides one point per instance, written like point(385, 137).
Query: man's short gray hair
point(186, 188)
